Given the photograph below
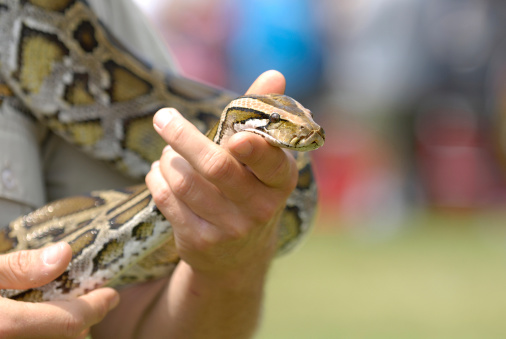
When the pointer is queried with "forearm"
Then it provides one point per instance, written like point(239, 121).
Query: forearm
point(200, 306)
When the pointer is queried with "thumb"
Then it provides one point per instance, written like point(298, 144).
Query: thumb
point(268, 82)
point(32, 268)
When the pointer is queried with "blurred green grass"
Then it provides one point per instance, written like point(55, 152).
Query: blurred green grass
point(440, 276)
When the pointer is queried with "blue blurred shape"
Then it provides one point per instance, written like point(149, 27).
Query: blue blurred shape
point(281, 35)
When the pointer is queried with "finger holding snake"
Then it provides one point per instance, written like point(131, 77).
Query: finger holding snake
point(224, 224)
point(57, 319)
point(222, 227)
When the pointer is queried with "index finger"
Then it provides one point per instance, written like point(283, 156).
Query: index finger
point(209, 160)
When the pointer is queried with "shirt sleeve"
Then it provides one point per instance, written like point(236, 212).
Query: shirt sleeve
point(127, 22)
point(21, 184)
point(35, 170)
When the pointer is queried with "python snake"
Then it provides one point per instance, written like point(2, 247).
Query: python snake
point(61, 65)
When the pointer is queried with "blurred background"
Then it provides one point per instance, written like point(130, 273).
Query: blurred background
point(410, 237)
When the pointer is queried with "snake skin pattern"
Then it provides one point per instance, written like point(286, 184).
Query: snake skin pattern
point(59, 64)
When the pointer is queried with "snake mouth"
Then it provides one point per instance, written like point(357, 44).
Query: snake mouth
point(309, 142)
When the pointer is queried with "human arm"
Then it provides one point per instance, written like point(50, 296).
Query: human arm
point(225, 217)
point(58, 319)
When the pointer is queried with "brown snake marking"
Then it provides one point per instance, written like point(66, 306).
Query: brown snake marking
point(60, 64)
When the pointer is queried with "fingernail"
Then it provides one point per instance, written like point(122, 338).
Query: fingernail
point(155, 164)
point(244, 148)
point(163, 117)
point(52, 254)
point(166, 149)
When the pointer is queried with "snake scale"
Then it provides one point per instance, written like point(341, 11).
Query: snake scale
point(59, 64)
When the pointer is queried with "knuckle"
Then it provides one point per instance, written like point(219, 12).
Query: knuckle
point(267, 209)
point(19, 264)
point(182, 184)
point(161, 195)
point(203, 245)
point(73, 324)
point(217, 165)
point(239, 232)
point(209, 239)
point(204, 242)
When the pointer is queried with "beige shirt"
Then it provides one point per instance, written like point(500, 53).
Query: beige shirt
point(36, 166)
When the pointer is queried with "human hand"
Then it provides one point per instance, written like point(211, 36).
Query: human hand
point(56, 319)
point(224, 203)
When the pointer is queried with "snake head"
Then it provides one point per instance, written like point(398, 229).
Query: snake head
point(281, 120)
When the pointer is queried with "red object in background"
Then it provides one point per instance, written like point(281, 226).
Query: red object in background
point(356, 173)
point(452, 158)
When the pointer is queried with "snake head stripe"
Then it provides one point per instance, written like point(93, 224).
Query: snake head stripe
point(281, 120)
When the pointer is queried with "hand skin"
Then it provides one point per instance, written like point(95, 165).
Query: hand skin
point(59, 319)
point(224, 204)
point(225, 236)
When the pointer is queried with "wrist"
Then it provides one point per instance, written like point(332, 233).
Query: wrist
point(246, 280)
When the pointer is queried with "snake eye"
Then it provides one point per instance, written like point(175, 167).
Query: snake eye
point(274, 118)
